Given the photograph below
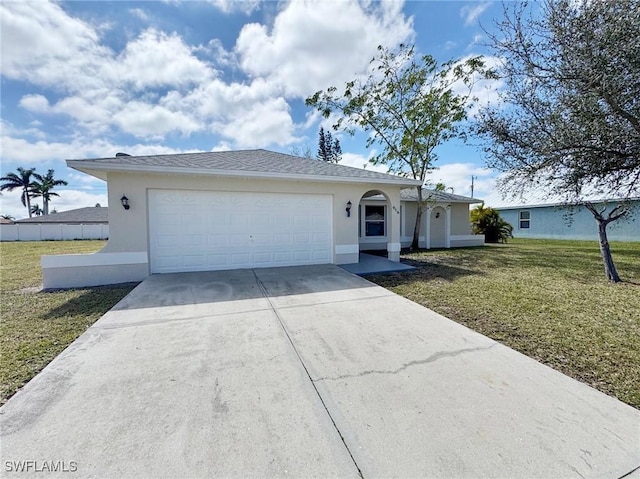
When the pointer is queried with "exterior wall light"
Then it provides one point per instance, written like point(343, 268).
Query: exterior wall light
point(125, 202)
point(348, 209)
point(437, 214)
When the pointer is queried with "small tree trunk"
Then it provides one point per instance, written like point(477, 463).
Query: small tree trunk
point(609, 268)
point(415, 243)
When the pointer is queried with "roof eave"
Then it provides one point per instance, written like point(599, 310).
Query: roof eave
point(100, 171)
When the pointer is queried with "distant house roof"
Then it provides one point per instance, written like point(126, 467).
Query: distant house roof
point(88, 215)
point(243, 163)
point(411, 194)
point(5, 221)
point(538, 199)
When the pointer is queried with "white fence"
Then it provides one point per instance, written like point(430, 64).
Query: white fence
point(41, 232)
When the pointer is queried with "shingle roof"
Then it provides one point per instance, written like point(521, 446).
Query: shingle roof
point(410, 194)
point(88, 215)
point(260, 163)
point(433, 195)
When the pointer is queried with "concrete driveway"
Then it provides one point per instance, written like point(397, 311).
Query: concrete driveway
point(303, 372)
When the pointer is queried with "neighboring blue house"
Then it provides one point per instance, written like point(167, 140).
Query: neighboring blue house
point(557, 221)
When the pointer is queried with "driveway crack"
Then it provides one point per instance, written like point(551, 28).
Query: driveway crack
point(304, 366)
point(433, 358)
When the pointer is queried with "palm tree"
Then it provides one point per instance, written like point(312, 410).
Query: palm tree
point(36, 210)
point(21, 180)
point(42, 188)
point(443, 187)
point(488, 221)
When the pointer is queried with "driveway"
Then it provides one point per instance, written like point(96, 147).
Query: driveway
point(303, 372)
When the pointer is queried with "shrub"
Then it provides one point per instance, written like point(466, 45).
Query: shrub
point(488, 222)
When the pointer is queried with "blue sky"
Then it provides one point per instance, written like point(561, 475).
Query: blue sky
point(89, 79)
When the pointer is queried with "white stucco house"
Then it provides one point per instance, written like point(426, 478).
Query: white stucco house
point(248, 209)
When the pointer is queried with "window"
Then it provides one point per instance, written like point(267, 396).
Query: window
point(374, 220)
point(525, 219)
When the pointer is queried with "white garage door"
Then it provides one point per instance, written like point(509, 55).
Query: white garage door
point(206, 230)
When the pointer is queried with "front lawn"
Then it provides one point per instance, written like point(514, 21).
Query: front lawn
point(547, 299)
point(36, 326)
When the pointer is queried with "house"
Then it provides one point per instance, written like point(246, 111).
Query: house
point(536, 217)
point(445, 220)
point(81, 223)
point(240, 209)
point(6, 221)
point(92, 215)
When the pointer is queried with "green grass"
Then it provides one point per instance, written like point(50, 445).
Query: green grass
point(36, 326)
point(547, 299)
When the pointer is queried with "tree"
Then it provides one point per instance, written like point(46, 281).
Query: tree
point(329, 150)
point(409, 105)
point(488, 222)
point(42, 188)
point(570, 118)
point(20, 180)
point(303, 152)
point(36, 210)
point(442, 187)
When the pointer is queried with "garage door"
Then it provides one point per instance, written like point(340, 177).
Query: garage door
point(205, 230)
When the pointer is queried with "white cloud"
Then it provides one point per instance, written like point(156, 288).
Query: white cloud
point(48, 47)
point(19, 150)
point(8, 129)
point(470, 13)
point(95, 112)
point(159, 85)
point(486, 91)
point(476, 40)
point(140, 13)
point(144, 120)
point(72, 199)
point(83, 181)
point(51, 49)
point(264, 123)
point(359, 161)
point(231, 6)
point(156, 59)
point(35, 103)
point(316, 44)
point(222, 146)
point(458, 176)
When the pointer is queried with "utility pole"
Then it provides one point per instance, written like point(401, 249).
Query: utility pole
point(472, 180)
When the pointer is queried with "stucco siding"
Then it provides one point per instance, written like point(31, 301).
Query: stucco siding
point(460, 222)
point(555, 222)
point(129, 229)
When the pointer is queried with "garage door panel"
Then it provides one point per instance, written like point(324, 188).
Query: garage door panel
point(169, 262)
point(240, 259)
point(217, 259)
point(195, 230)
point(167, 240)
point(191, 240)
point(216, 241)
point(301, 238)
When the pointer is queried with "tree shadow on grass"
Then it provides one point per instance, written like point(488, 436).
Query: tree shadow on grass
point(93, 302)
point(425, 271)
